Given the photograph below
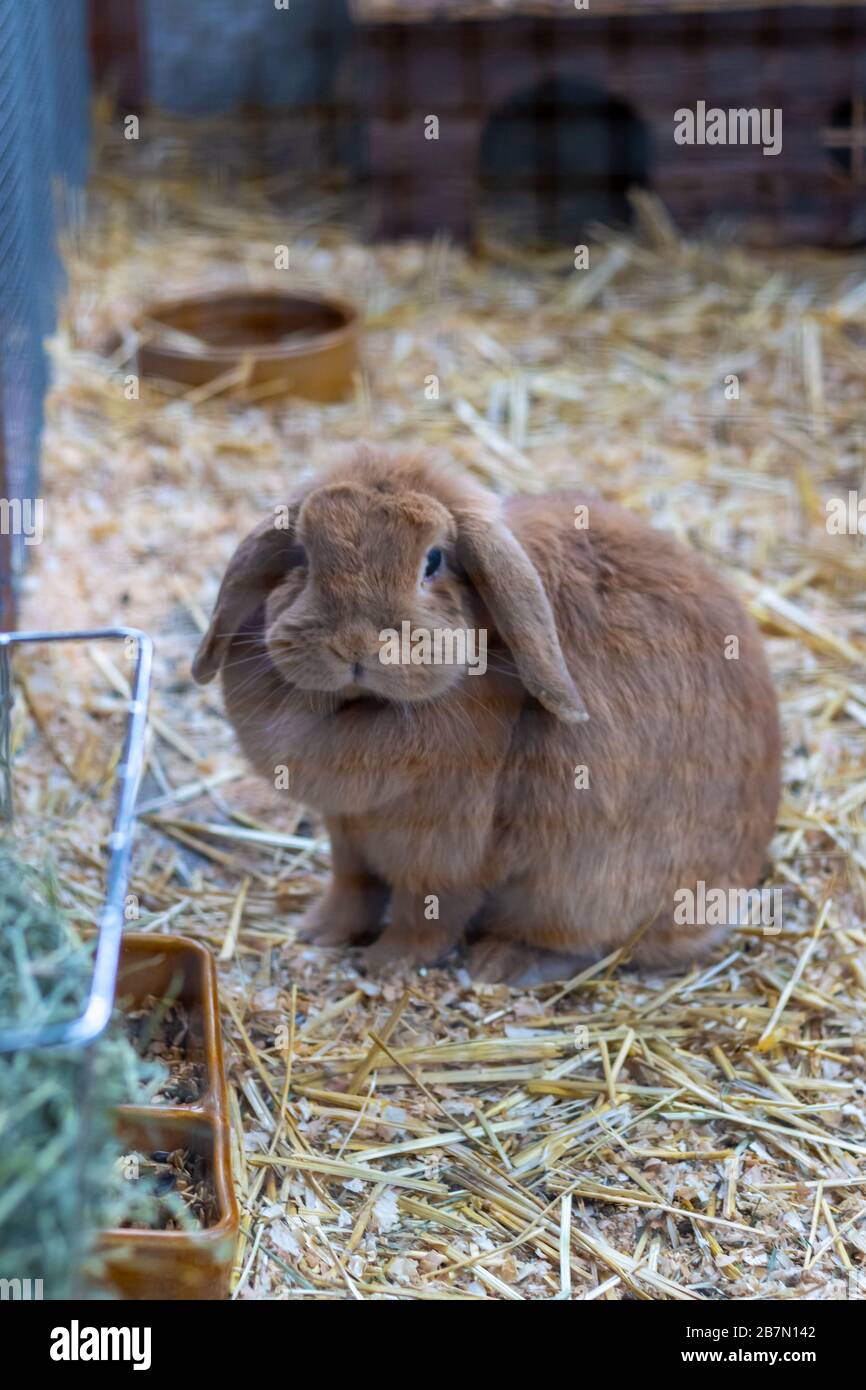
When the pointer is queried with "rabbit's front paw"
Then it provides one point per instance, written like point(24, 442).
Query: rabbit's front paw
point(493, 962)
point(409, 947)
point(339, 918)
point(416, 938)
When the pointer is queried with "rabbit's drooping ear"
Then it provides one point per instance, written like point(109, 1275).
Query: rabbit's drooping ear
point(259, 563)
point(504, 576)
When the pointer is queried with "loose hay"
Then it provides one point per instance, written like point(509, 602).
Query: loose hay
point(61, 1177)
point(416, 1136)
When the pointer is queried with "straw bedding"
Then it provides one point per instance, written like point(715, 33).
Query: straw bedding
point(415, 1136)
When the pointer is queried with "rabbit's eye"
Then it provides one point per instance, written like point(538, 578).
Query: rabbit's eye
point(433, 562)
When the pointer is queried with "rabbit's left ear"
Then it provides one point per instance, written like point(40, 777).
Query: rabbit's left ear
point(502, 572)
point(259, 563)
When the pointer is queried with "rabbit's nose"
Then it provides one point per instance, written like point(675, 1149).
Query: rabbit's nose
point(342, 651)
point(353, 648)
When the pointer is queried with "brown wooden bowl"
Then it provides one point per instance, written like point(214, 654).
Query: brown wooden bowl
point(264, 343)
point(177, 968)
point(197, 1264)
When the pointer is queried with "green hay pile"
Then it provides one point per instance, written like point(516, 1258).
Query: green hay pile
point(60, 1176)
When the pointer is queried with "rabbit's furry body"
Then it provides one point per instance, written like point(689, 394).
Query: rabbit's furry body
point(489, 804)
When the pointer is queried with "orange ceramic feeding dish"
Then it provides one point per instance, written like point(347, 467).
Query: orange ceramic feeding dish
point(259, 343)
point(158, 1264)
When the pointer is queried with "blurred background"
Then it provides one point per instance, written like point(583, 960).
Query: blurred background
point(551, 119)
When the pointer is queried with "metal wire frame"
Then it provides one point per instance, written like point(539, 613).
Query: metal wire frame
point(94, 1017)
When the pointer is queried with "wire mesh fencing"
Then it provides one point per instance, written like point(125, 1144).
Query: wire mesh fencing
point(44, 95)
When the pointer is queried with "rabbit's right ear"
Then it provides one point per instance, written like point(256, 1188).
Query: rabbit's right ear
point(505, 577)
point(259, 563)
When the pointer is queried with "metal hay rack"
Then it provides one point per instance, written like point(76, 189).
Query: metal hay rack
point(97, 1007)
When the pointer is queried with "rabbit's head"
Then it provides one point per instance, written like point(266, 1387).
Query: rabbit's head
point(386, 582)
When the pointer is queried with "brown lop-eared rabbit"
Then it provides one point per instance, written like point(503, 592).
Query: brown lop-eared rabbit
point(620, 743)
